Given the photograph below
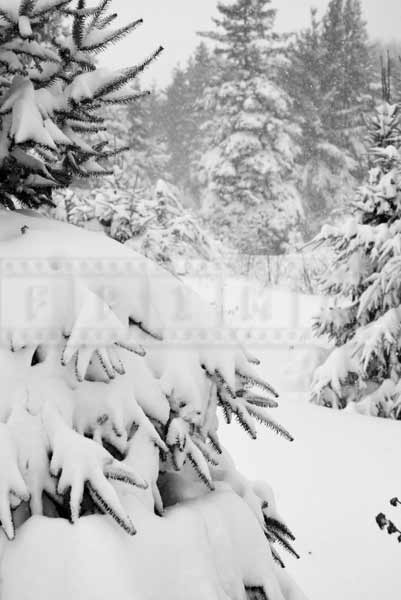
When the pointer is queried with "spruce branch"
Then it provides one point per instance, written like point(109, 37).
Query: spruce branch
point(276, 525)
point(245, 422)
point(99, 12)
point(112, 38)
point(106, 21)
point(55, 6)
point(214, 442)
point(122, 520)
point(277, 558)
point(124, 476)
point(194, 460)
point(286, 545)
point(157, 335)
point(127, 75)
point(79, 12)
point(78, 28)
point(263, 418)
point(125, 98)
point(260, 401)
point(254, 380)
point(207, 453)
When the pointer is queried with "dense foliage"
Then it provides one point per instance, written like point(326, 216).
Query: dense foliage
point(249, 165)
point(329, 77)
point(364, 318)
point(53, 95)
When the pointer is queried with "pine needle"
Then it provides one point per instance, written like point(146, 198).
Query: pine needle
point(264, 419)
point(124, 522)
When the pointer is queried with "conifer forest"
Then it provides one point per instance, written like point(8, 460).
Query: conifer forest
point(200, 300)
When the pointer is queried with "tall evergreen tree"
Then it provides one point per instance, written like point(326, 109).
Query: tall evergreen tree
point(184, 116)
point(333, 65)
point(251, 196)
point(201, 71)
point(364, 319)
point(148, 150)
point(356, 87)
point(346, 71)
point(327, 169)
point(179, 110)
point(330, 79)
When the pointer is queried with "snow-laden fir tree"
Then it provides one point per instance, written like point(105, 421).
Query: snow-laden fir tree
point(151, 220)
point(328, 170)
point(251, 197)
point(364, 318)
point(133, 174)
point(110, 377)
point(179, 109)
point(148, 153)
point(346, 72)
point(163, 230)
point(51, 94)
point(184, 117)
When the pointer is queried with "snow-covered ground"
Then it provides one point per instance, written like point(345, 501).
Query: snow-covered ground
point(330, 483)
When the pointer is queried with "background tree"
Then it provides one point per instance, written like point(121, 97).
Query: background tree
point(184, 119)
point(330, 80)
point(364, 317)
point(347, 73)
point(148, 149)
point(178, 109)
point(250, 165)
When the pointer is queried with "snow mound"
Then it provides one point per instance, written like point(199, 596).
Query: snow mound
point(112, 374)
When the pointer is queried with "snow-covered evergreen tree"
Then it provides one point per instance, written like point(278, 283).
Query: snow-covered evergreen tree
point(251, 197)
point(52, 96)
point(133, 174)
point(179, 110)
point(347, 70)
point(330, 80)
point(151, 220)
point(163, 230)
point(364, 318)
point(109, 400)
point(148, 151)
point(189, 141)
point(327, 169)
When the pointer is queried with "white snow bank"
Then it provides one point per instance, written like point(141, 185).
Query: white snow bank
point(331, 482)
point(203, 550)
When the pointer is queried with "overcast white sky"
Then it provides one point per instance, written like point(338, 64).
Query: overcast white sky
point(174, 23)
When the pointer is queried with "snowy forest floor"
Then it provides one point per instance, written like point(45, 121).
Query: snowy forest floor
point(331, 482)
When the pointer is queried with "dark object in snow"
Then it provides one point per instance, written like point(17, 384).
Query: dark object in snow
point(387, 525)
point(381, 520)
point(255, 593)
